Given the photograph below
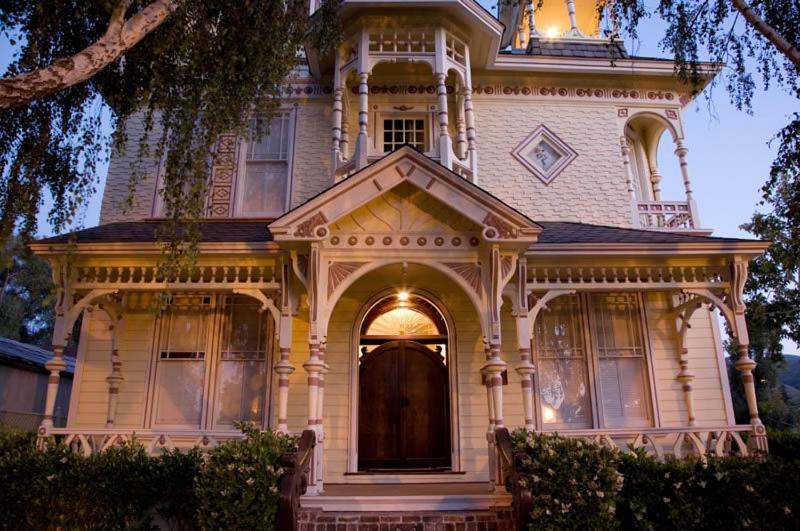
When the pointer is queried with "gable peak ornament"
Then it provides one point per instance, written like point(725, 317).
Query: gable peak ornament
point(544, 154)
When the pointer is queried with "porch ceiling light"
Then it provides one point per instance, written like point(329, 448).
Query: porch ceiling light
point(402, 296)
point(552, 32)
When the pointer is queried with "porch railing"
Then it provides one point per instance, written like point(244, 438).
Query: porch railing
point(91, 441)
point(294, 481)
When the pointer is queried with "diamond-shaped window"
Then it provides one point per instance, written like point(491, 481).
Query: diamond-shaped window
point(544, 154)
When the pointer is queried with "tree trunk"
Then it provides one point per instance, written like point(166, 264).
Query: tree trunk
point(784, 46)
point(63, 73)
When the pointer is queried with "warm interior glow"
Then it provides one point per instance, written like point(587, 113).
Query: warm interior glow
point(402, 296)
point(552, 32)
point(548, 414)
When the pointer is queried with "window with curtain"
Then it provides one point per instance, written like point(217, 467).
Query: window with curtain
point(242, 371)
point(563, 370)
point(615, 355)
point(181, 365)
point(621, 360)
point(264, 184)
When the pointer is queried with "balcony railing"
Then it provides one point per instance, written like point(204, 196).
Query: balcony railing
point(666, 215)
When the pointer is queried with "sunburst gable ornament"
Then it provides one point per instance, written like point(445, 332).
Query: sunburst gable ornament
point(544, 154)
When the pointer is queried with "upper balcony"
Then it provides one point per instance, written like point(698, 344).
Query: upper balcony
point(401, 84)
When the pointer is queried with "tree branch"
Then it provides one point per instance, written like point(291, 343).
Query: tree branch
point(120, 36)
point(768, 32)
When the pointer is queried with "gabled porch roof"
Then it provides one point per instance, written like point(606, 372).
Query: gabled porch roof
point(406, 165)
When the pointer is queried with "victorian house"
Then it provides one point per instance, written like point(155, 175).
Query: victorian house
point(455, 224)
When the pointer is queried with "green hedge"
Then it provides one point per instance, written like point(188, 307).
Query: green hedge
point(580, 485)
point(233, 487)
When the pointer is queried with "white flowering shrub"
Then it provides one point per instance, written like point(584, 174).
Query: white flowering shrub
point(237, 488)
point(574, 483)
point(580, 485)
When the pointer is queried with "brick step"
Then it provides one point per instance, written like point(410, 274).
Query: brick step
point(495, 519)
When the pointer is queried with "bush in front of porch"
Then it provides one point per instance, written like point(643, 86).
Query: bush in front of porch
point(580, 485)
point(234, 486)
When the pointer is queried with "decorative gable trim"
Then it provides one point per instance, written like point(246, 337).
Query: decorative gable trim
point(499, 221)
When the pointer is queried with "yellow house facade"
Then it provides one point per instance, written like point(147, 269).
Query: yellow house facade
point(455, 224)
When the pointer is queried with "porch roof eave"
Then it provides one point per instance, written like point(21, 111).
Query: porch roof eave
point(151, 248)
point(744, 248)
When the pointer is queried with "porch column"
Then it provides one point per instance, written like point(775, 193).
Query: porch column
point(114, 380)
point(284, 367)
point(469, 119)
point(344, 145)
point(629, 180)
point(526, 369)
point(573, 22)
point(493, 468)
point(336, 130)
point(745, 365)
point(362, 141)
point(532, 33)
point(445, 142)
point(315, 367)
point(681, 151)
point(55, 365)
point(655, 180)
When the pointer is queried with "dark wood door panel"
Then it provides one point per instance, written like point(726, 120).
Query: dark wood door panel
point(404, 408)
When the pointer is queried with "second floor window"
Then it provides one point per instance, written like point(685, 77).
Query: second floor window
point(263, 184)
point(400, 131)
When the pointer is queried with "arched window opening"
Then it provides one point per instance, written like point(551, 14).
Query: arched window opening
point(404, 316)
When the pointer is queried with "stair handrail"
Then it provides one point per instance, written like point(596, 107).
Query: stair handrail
point(510, 463)
point(294, 481)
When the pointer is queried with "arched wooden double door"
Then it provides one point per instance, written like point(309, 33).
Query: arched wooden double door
point(404, 408)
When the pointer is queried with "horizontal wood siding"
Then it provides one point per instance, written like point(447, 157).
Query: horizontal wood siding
point(709, 393)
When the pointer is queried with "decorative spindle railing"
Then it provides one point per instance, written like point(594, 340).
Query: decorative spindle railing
point(403, 41)
point(92, 441)
point(540, 278)
point(666, 215)
point(228, 276)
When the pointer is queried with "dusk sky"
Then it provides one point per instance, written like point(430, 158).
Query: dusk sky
point(729, 156)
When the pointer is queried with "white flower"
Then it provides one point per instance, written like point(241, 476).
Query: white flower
point(600, 494)
point(666, 500)
point(51, 477)
point(703, 484)
point(787, 511)
point(250, 481)
point(551, 471)
point(273, 489)
point(748, 488)
point(64, 460)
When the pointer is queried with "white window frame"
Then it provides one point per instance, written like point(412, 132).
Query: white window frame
point(241, 168)
point(213, 346)
point(385, 111)
point(592, 358)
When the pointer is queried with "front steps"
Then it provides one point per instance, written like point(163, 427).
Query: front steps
point(406, 507)
point(495, 519)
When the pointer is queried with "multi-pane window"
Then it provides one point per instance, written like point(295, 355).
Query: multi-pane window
point(400, 131)
point(242, 370)
point(263, 189)
point(606, 366)
point(212, 363)
point(181, 366)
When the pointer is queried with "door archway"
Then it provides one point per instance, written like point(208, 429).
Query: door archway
point(404, 391)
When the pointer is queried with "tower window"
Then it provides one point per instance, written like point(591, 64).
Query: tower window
point(400, 131)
